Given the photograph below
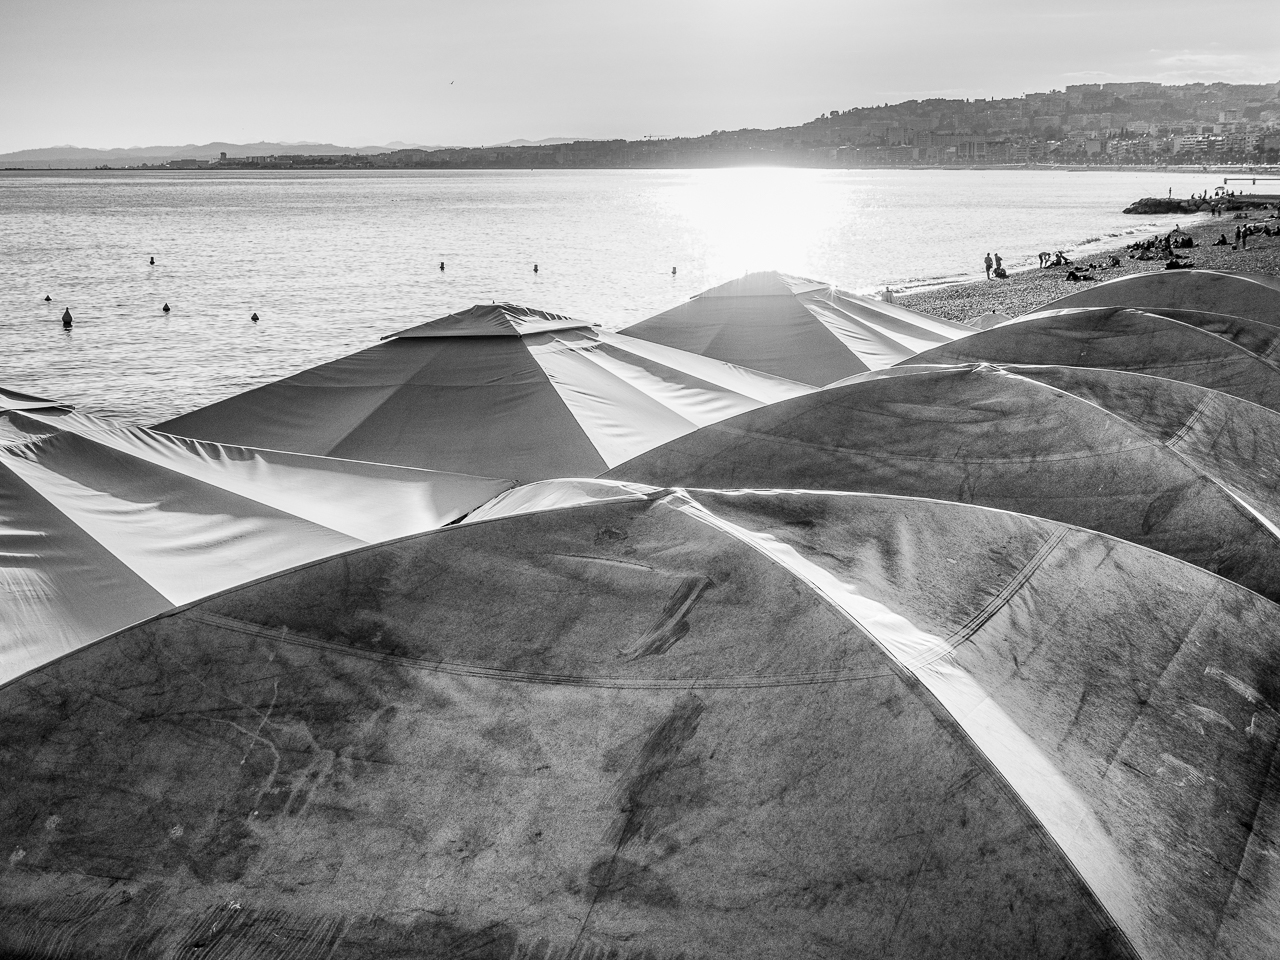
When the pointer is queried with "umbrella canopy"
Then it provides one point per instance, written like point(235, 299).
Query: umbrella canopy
point(750, 725)
point(1223, 353)
point(796, 328)
point(12, 400)
point(986, 321)
point(103, 525)
point(496, 390)
point(1178, 468)
point(1236, 294)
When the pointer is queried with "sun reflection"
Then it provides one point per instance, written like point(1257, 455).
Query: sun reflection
point(758, 218)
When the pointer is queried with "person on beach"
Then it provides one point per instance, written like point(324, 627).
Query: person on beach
point(986, 262)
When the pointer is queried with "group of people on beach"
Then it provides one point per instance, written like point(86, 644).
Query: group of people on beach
point(999, 271)
point(994, 265)
point(1164, 248)
point(1243, 233)
point(1058, 259)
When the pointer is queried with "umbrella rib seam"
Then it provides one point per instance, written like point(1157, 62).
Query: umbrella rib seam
point(517, 676)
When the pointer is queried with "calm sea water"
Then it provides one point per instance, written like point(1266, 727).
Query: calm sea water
point(331, 262)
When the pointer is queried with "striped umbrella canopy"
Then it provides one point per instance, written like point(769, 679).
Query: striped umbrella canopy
point(751, 725)
point(104, 524)
point(496, 390)
point(802, 329)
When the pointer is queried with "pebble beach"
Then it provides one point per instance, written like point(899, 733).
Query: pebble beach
point(1025, 290)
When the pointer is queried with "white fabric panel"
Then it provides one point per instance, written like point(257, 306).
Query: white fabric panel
point(1050, 796)
point(729, 376)
point(692, 398)
point(58, 587)
point(103, 525)
point(185, 539)
point(13, 400)
point(880, 334)
point(697, 401)
point(621, 420)
point(557, 495)
point(328, 492)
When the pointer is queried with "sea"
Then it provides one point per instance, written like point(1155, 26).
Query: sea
point(332, 261)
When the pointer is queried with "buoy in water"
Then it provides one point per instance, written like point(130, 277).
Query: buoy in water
point(66, 319)
point(254, 318)
point(673, 271)
point(48, 299)
point(165, 308)
point(535, 268)
point(441, 264)
point(153, 261)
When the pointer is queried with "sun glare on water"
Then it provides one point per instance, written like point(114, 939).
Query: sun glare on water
point(758, 218)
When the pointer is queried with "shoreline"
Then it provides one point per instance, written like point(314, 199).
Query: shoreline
point(1029, 288)
point(1241, 169)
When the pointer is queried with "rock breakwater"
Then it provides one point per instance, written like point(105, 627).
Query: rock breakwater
point(1150, 205)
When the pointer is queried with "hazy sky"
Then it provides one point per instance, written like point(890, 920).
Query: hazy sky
point(114, 73)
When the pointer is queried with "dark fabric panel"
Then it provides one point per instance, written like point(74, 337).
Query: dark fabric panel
point(475, 405)
point(1239, 295)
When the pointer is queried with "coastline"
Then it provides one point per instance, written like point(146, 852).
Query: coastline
point(1030, 288)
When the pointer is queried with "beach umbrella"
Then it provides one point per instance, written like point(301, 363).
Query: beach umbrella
point(496, 390)
point(104, 524)
point(749, 725)
point(1174, 467)
point(1246, 295)
point(1228, 354)
point(796, 328)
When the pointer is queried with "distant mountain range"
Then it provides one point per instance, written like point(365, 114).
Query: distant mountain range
point(72, 156)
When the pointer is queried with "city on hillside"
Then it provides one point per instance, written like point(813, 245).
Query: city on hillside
point(1101, 123)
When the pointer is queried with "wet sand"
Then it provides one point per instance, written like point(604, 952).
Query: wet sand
point(1026, 290)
